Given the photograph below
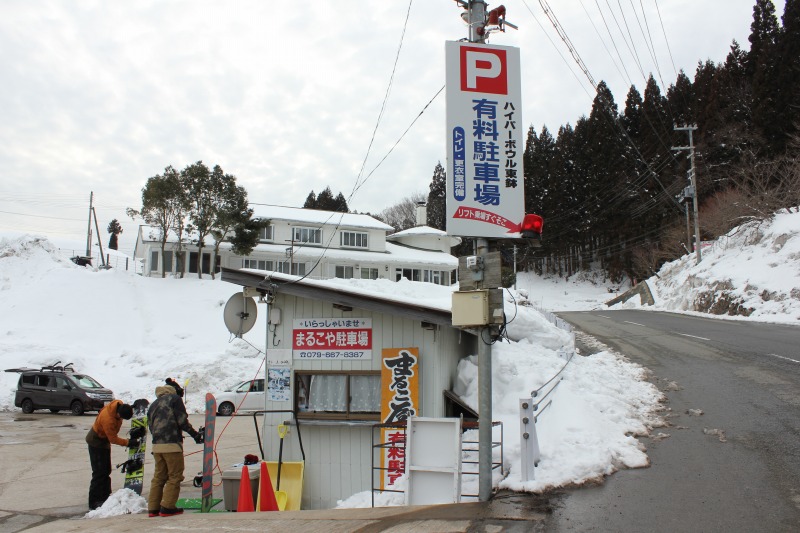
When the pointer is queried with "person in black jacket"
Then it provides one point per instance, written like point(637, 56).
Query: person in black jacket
point(104, 432)
point(167, 420)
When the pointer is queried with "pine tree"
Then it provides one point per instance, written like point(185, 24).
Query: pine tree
point(114, 228)
point(788, 75)
point(340, 204)
point(325, 200)
point(680, 98)
point(763, 34)
point(231, 210)
point(763, 64)
point(437, 209)
point(311, 201)
point(161, 204)
point(200, 186)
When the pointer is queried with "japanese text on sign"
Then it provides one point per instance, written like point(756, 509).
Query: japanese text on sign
point(485, 196)
point(332, 338)
point(399, 401)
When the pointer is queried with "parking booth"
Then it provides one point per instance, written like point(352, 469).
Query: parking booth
point(340, 362)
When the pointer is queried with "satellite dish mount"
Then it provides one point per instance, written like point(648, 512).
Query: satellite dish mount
point(240, 314)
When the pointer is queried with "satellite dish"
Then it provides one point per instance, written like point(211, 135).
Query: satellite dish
point(240, 314)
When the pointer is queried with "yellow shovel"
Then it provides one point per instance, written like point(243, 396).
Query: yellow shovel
point(280, 496)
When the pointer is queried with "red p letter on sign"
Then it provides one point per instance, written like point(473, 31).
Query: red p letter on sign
point(483, 70)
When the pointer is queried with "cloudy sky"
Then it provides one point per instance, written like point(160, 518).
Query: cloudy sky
point(98, 96)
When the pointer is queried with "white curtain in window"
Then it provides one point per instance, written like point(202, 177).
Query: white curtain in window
point(365, 392)
point(328, 393)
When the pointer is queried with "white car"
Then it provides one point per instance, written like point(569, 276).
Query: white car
point(246, 396)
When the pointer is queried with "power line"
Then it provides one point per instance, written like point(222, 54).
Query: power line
point(565, 38)
point(616, 65)
point(359, 182)
point(385, 99)
point(41, 216)
point(661, 20)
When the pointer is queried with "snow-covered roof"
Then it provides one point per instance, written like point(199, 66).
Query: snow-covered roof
point(418, 230)
point(395, 254)
point(403, 297)
point(410, 236)
point(317, 217)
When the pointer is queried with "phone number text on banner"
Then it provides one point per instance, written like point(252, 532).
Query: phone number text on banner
point(332, 339)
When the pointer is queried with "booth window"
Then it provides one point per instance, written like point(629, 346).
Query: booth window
point(338, 395)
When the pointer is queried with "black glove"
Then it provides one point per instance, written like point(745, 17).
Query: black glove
point(199, 437)
point(134, 442)
point(138, 432)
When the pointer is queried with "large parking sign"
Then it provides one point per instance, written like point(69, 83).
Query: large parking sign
point(485, 183)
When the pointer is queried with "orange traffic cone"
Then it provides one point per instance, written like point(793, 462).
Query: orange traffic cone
point(266, 495)
point(245, 503)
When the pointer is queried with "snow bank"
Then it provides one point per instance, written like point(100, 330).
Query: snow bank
point(128, 332)
point(752, 271)
point(123, 501)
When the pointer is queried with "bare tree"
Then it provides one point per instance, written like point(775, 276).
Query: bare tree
point(403, 214)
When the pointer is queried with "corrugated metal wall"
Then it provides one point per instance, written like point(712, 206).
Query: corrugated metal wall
point(338, 461)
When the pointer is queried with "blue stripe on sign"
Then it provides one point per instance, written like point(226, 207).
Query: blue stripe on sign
point(459, 164)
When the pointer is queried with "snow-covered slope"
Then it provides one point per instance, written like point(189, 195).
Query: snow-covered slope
point(128, 332)
point(753, 271)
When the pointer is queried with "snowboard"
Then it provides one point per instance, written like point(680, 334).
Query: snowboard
point(208, 454)
point(134, 466)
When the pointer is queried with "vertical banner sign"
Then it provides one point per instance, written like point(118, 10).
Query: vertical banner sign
point(485, 184)
point(399, 400)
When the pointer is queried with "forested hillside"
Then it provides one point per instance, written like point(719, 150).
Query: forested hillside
point(611, 186)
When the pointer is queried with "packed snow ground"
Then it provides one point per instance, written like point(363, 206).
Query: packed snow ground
point(130, 332)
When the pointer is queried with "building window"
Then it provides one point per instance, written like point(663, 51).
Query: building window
point(439, 277)
point(257, 264)
point(411, 274)
point(353, 239)
point(287, 267)
point(297, 269)
point(369, 273)
point(345, 272)
point(265, 234)
point(204, 263)
point(154, 261)
point(167, 261)
point(338, 395)
point(307, 235)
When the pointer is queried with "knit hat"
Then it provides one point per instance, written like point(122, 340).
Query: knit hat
point(174, 384)
point(125, 411)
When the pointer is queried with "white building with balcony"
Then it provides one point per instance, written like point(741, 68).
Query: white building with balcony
point(316, 244)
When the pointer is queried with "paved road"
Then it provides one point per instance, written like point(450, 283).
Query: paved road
point(736, 467)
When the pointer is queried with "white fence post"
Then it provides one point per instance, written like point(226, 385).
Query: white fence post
point(529, 442)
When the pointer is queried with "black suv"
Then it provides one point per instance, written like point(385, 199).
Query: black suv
point(59, 388)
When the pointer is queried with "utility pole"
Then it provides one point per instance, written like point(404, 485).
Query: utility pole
point(477, 21)
point(89, 230)
point(515, 267)
point(483, 270)
point(690, 129)
point(99, 243)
